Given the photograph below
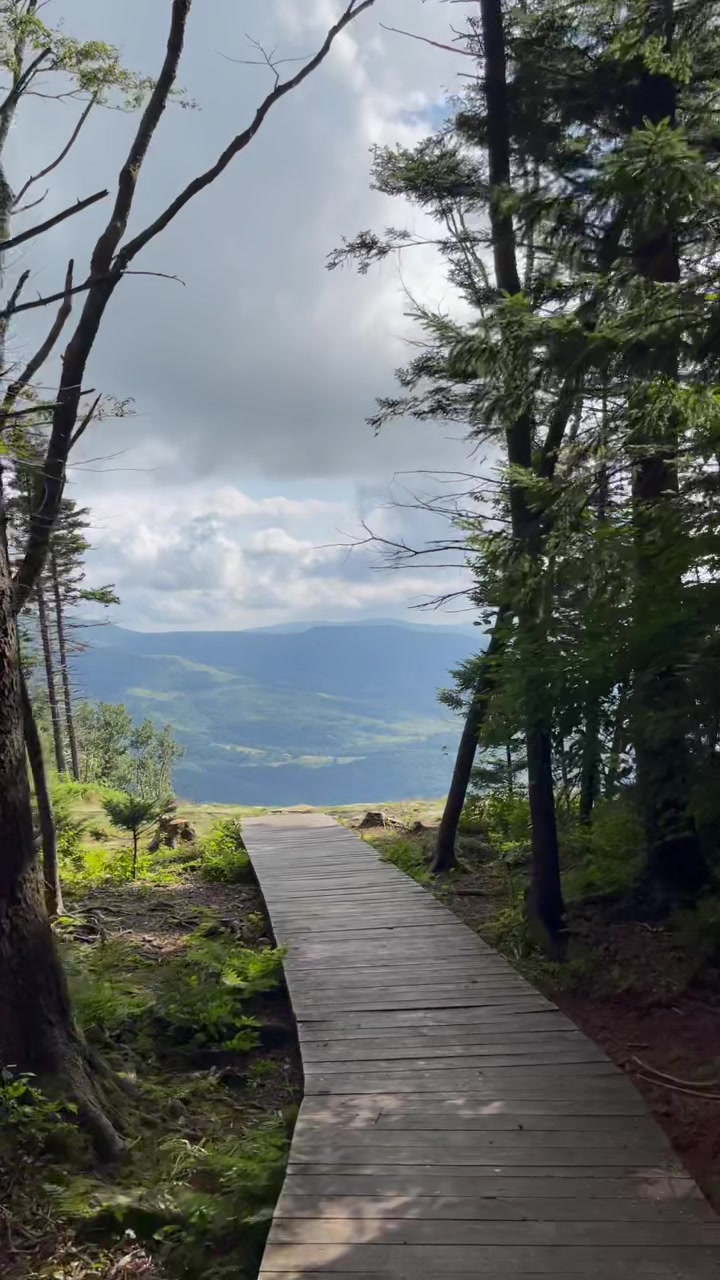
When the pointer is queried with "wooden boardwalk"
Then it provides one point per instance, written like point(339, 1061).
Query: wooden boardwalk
point(454, 1122)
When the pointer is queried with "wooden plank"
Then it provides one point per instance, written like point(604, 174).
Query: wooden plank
point(454, 1122)
point(513, 1136)
point(586, 1207)
point(417, 1231)
point(437, 1108)
point(528, 1156)
point(441, 1061)
point(452, 1039)
point(490, 1031)
point(472, 1082)
point(549, 1183)
point(426, 1261)
point(359, 1025)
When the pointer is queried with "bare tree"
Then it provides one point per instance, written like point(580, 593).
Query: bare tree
point(37, 1030)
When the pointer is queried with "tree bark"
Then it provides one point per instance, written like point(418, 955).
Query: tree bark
point(37, 1031)
point(546, 901)
point(675, 860)
point(444, 857)
point(49, 665)
point(48, 835)
point(590, 764)
point(64, 667)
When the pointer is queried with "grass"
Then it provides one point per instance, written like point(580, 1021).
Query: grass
point(177, 985)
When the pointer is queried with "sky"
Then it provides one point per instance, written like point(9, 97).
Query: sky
point(233, 495)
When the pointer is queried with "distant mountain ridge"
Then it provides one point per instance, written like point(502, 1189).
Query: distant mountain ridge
point(334, 713)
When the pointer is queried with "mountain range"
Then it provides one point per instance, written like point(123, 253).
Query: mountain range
point(313, 714)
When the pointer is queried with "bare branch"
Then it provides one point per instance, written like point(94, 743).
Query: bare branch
point(42, 353)
point(436, 44)
point(108, 265)
point(12, 305)
point(58, 161)
point(85, 423)
point(5, 245)
point(238, 144)
point(46, 301)
point(25, 208)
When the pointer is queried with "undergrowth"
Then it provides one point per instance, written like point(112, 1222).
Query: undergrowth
point(178, 1009)
point(223, 854)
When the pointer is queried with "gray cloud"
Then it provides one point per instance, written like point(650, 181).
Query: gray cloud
point(259, 371)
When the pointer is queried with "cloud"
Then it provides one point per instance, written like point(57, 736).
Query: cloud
point(253, 379)
point(216, 563)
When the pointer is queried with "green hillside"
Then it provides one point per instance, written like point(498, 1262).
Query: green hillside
point(327, 716)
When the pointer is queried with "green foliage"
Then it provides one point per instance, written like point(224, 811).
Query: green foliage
point(134, 814)
point(194, 1000)
point(85, 867)
point(32, 1124)
point(223, 857)
point(504, 819)
point(405, 854)
point(119, 754)
point(603, 858)
point(205, 1209)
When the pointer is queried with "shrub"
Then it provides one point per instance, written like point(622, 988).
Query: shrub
point(222, 854)
point(406, 855)
point(606, 857)
point(85, 867)
point(134, 814)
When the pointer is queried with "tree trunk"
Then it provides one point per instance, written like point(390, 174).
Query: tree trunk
point(675, 861)
point(135, 854)
point(546, 904)
point(509, 771)
point(50, 678)
point(64, 667)
point(48, 836)
point(590, 764)
point(37, 1031)
point(444, 858)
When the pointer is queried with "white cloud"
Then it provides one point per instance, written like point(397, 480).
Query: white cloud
point(252, 383)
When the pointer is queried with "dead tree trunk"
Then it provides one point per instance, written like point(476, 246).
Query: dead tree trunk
point(49, 664)
point(48, 835)
point(444, 858)
point(64, 666)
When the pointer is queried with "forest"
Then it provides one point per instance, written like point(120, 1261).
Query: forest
point(150, 1069)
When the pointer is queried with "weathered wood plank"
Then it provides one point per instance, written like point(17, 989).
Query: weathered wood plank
point(414, 1231)
point(440, 1260)
point(549, 1183)
point(585, 1207)
point(454, 1122)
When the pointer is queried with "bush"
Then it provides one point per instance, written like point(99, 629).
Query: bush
point(83, 867)
point(406, 855)
point(504, 818)
point(603, 858)
point(222, 854)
